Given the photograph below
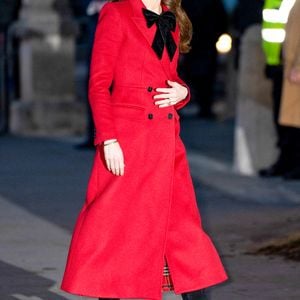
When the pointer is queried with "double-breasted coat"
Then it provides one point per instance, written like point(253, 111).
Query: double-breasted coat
point(290, 102)
point(129, 224)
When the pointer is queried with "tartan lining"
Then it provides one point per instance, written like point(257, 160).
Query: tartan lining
point(167, 284)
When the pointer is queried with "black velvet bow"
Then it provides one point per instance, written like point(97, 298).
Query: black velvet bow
point(166, 22)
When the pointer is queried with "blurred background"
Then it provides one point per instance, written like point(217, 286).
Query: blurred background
point(241, 130)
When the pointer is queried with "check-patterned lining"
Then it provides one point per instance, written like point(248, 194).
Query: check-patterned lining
point(167, 284)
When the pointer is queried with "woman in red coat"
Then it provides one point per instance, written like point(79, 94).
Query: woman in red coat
point(140, 215)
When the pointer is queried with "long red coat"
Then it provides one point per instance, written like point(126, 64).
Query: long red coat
point(129, 224)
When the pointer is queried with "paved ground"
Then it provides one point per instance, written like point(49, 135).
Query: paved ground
point(42, 186)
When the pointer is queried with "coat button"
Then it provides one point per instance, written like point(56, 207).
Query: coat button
point(170, 116)
point(150, 116)
point(150, 89)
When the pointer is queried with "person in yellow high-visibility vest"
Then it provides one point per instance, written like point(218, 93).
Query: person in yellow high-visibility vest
point(272, 32)
point(275, 15)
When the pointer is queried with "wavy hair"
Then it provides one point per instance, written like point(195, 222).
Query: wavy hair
point(185, 25)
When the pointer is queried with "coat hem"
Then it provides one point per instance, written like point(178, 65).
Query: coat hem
point(201, 286)
point(92, 295)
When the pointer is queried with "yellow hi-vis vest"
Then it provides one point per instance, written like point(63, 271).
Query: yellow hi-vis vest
point(275, 15)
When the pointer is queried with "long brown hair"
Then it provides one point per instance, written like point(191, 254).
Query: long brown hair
point(185, 25)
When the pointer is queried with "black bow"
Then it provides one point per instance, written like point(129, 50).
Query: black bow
point(166, 22)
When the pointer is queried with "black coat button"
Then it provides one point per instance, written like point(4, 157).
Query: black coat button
point(150, 89)
point(150, 116)
point(170, 116)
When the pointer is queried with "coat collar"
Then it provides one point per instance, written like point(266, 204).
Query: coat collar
point(140, 22)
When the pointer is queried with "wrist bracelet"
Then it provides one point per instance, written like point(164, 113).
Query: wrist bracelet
point(110, 143)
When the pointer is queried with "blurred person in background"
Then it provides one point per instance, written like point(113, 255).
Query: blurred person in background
point(289, 116)
point(275, 15)
point(89, 9)
point(199, 66)
point(246, 14)
point(8, 14)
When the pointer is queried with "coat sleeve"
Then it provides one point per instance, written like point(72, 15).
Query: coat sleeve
point(176, 78)
point(183, 102)
point(107, 44)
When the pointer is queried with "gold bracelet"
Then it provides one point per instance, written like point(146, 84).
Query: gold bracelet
point(110, 143)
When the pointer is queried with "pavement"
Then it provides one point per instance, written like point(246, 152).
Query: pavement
point(42, 187)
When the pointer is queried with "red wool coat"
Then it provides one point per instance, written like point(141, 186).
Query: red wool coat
point(129, 224)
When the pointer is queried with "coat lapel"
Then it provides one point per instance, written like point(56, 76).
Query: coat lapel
point(149, 33)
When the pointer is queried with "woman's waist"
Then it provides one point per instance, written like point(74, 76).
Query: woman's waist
point(147, 86)
point(143, 110)
point(141, 96)
point(138, 95)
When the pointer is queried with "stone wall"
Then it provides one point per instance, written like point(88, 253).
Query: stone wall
point(47, 104)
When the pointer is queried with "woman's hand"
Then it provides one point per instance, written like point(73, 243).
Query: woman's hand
point(171, 96)
point(114, 158)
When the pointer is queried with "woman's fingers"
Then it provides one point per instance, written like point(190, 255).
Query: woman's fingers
point(121, 166)
point(107, 159)
point(114, 159)
point(164, 90)
point(168, 101)
point(108, 164)
point(113, 167)
point(163, 96)
point(122, 169)
point(172, 83)
point(168, 97)
point(117, 171)
point(166, 93)
point(172, 95)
